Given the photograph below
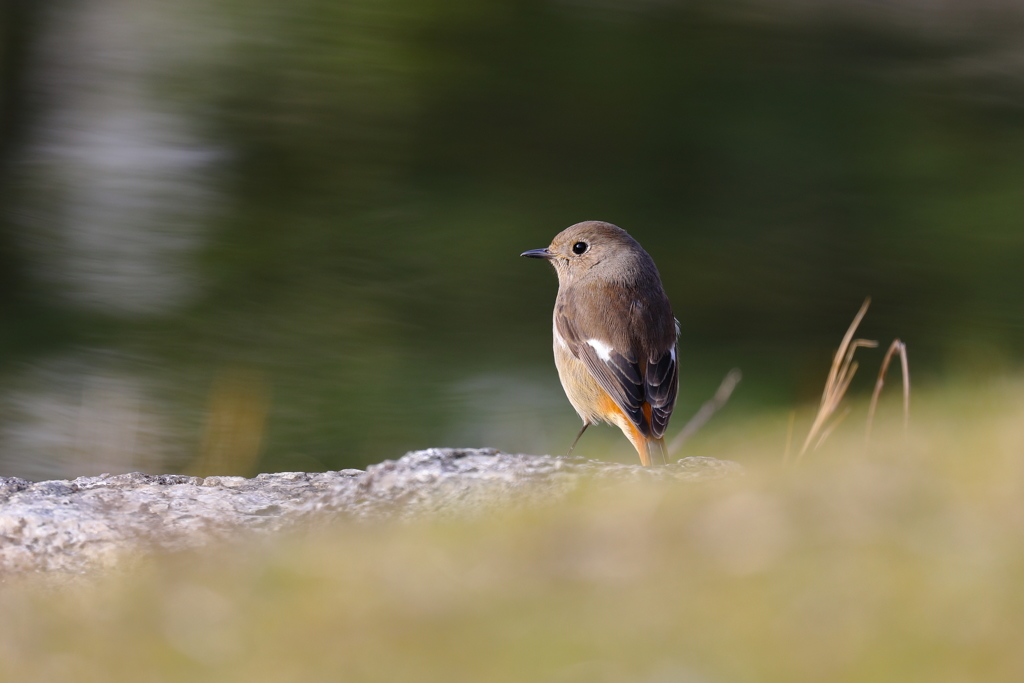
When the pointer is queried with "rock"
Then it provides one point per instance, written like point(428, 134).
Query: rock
point(88, 523)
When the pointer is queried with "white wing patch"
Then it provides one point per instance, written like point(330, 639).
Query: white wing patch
point(604, 351)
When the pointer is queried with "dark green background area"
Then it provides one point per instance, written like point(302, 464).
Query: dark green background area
point(386, 162)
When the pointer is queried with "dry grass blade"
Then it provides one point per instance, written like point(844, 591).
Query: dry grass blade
point(839, 377)
point(899, 347)
point(833, 374)
point(906, 388)
point(835, 423)
point(707, 410)
point(847, 371)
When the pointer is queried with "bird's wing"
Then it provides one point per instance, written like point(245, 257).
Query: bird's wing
point(661, 384)
point(618, 371)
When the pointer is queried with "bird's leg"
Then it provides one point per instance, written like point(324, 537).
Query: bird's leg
point(585, 425)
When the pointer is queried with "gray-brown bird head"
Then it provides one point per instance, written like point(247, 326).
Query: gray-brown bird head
point(595, 249)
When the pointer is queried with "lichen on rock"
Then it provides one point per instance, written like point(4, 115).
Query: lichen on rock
point(89, 522)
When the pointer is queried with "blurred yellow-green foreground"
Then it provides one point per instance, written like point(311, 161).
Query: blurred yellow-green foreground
point(897, 561)
point(267, 235)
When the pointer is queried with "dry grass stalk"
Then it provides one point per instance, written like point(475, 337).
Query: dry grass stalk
point(899, 347)
point(707, 410)
point(839, 377)
point(831, 428)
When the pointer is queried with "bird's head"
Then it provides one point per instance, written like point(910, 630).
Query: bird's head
point(592, 248)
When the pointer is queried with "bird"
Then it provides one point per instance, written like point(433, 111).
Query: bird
point(615, 336)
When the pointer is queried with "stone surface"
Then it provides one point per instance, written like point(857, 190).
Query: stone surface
point(88, 523)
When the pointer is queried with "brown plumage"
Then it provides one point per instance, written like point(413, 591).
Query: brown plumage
point(614, 334)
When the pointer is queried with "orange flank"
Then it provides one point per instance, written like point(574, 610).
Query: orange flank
point(611, 413)
point(609, 408)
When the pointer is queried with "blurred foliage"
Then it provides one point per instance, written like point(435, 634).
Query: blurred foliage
point(386, 161)
point(898, 561)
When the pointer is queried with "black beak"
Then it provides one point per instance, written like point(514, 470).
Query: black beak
point(538, 253)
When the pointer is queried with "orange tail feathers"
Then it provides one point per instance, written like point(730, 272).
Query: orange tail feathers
point(652, 451)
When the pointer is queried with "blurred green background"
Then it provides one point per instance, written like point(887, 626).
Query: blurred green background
point(266, 235)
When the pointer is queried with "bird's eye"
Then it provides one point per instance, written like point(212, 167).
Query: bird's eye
point(579, 247)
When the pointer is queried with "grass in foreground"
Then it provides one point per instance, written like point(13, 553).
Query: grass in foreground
point(902, 560)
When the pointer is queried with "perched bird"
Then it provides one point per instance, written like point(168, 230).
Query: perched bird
point(615, 336)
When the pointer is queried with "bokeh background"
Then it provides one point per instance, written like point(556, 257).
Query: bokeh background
point(267, 235)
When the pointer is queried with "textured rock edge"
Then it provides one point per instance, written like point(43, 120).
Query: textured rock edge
point(90, 522)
